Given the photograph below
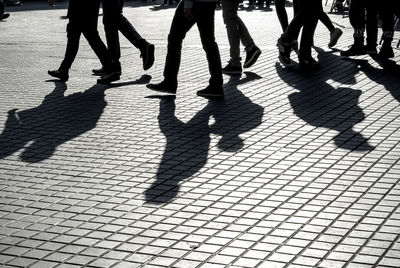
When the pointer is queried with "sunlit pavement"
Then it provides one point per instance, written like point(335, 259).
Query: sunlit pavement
point(289, 170)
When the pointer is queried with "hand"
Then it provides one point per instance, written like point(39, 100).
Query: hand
point(52, 3)
point(187, 12)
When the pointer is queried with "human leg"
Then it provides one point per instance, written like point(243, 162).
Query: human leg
point(357, 21)
point(111, 12)
point(205, 24)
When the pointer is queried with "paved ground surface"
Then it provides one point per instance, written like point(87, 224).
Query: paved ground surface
point(288, 171)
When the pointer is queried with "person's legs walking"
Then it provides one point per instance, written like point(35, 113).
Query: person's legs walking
point(127, 29)
point(205, 24)
point(111, 12)
point(357, 21)
point(2, 14)
point(179, 27)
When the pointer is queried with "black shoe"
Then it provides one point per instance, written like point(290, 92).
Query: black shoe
point(334, 37)
point(211, 92)
point(4, 16)
point(386, 52)
point(102, 71)
point(284, 52)
point(355, 50)
point(162, 87)
point(148, 56)
point(62, 75)
point(110, 77)
point(308, 64)
point(252, 56)
point(232, 69)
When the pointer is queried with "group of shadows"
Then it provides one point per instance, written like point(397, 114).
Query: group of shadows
point(37, 132)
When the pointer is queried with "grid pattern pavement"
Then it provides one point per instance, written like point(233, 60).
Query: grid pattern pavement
point(288, 171)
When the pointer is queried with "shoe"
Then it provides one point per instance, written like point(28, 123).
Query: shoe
point(308, 64)
point(62, 75)
point(284, 52)
point(334, 37)
point(162, 87)
point(232, 69)
point(102, 71)
point(386, 52)
point(4, 16)
point(110, 77)
point(148, 56)
point(252, 56)
point(211, 92)
point(357, 49)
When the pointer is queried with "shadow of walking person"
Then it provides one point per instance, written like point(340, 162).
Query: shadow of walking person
point(388, 77)
point(187, 144)
point(59, 118)
point(321, 105)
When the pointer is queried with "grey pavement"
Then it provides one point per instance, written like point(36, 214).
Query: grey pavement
point(289, 170)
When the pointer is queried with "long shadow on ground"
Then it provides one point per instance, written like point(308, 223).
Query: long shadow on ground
point(188, 143)
point(59, 118)
point(322, 105)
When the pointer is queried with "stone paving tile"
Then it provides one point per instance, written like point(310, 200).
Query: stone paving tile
point(287, 171)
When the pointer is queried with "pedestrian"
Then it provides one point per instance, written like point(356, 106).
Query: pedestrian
point(237, 32)
point(187, 14)
point(335, 33)
point(3, 15)
point(361, 23)
point(114, 21)
point(83, 17)
point(307, 19)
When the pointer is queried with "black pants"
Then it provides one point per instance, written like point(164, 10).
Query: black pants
point(83, 17)
point(114, 21)
point(204, 18)
point(1, 9)
point(306, 18)
point(360, 21)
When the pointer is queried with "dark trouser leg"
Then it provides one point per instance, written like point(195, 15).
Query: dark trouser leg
point(306, 17)
point(310, 10)
point(99, 48)
point(1, 9)
point(324, 18)
point(372, 23)
point(281, 13)
point(73, 36)
point(179, 27)
point(205, 24)
point(127, 29)
point(387, 13)
point(357, 19)
point(111, 13)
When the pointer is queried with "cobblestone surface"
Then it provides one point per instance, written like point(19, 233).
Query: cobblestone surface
point(288, 170)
